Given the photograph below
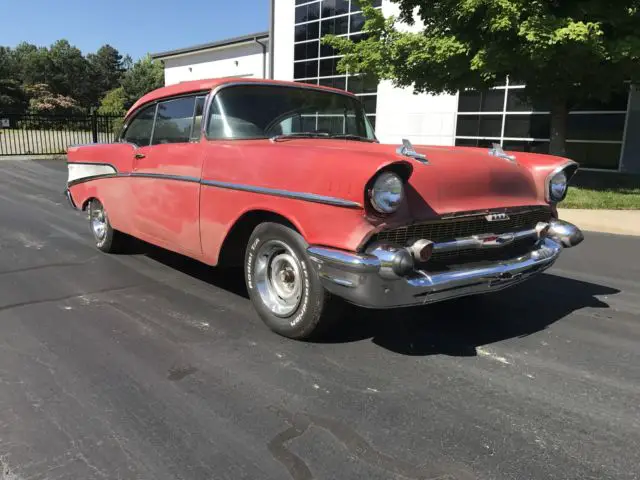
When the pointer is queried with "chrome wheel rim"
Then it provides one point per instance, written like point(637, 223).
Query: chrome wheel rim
point(278, 277)
point(98, 220)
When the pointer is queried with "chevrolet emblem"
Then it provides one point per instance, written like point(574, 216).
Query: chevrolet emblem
point(497, 217)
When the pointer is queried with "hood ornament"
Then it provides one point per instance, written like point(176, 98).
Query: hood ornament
point(407, 150)
point(497, 151)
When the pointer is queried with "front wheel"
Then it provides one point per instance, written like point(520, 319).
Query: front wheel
point(283, 286)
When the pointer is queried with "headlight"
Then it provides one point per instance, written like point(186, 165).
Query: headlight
point(558, 187)
point(387, 193)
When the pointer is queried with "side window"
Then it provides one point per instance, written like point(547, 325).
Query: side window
point(173, 121)
point(197, 119)
point(140, 128)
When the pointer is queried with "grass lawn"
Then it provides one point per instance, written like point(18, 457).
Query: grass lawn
point(603, 190)
point(614, 199)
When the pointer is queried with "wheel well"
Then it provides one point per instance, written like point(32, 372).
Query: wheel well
point(234, 245)
point(85, 205)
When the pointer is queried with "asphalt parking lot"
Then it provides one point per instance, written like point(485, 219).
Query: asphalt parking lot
point(152, 366)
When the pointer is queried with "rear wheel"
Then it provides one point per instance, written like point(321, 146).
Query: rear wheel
point(107, 239)
point(283, 286)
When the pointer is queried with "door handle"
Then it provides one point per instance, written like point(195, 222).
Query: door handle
point(138, 156)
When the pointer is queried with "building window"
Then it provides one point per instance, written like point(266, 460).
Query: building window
point(315, 63)
point(594, 131)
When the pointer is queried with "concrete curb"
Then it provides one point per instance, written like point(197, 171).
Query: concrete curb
point(624, 222)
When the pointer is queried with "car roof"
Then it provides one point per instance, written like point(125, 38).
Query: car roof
point(194, 86)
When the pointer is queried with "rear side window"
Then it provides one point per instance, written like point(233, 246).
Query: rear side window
point(140, 128)
point(174, 121)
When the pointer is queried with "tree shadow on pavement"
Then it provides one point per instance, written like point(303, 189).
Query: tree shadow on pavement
point(458, 327)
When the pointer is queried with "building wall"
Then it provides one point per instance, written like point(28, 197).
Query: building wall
point(284, 27)
point(421, 118)
point(245, 60)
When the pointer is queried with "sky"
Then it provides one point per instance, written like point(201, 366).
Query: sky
point(134, 27)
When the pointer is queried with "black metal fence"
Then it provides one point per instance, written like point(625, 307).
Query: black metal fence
point(52, 134)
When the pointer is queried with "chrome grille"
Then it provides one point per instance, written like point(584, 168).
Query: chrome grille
point(450, 229)
point(445, 260)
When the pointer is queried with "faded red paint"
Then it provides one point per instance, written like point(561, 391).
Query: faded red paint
point(194, 219)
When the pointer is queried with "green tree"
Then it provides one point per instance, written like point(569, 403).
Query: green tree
point(106, 69)
point(113, 103)
point(71, 74)
point(32, 65)
point(145, 75)
point(566, 52)
point(12, 96)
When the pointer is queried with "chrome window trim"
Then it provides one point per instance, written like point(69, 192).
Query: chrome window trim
point(547, 181)
point(303, 86)
point(128, 119)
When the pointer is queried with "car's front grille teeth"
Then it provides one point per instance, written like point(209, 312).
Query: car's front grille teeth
point(445, 230)
point(448, 260)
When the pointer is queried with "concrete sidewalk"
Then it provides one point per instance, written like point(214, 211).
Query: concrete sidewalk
point(625, 222)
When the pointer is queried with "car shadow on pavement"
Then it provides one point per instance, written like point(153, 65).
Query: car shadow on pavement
point(455, 327)
point(227, 278)
point(458, 327)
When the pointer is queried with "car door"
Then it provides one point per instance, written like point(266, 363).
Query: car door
point(165, 178)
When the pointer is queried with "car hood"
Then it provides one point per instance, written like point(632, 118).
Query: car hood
point(454, 179)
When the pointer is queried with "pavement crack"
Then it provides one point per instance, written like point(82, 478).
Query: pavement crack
point(49, 265)
point(355, 444)
point(68, 297)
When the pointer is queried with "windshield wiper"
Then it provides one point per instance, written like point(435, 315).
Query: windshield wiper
point(350, 136)
point(284, 136)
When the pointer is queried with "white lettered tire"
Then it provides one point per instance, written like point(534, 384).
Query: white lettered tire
point(284, 288)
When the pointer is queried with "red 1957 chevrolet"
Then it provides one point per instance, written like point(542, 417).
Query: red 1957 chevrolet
point(289, 181)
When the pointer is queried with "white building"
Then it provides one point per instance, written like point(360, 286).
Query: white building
point(597, 135)
point(246, 56)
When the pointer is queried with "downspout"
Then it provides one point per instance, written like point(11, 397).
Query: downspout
point(264, 56)
point(272, 22)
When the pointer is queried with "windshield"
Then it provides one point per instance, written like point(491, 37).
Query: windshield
point(267, 111)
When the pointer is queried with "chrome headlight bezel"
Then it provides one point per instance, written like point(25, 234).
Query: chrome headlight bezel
point(558, 185)
point(386, 193)
point(557, 182)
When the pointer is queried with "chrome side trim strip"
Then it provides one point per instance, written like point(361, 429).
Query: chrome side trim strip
point(179, 178)
point(307, 197)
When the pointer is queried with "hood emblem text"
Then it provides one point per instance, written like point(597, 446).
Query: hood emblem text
point(497, 151)
point(407, 150)
point(497, 217)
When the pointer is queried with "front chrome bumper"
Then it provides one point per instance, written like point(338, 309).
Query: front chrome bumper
point(361, 279)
